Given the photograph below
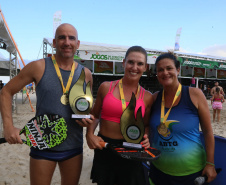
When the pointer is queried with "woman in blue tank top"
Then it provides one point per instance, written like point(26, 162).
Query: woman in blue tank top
point(174, 124)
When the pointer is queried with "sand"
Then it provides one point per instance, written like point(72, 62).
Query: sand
point(14, 159)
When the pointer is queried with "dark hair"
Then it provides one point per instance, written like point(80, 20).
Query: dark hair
point(168, 55)
point(137, 49)
point(217, 89)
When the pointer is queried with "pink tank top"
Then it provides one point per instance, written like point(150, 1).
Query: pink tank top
point(112, 107)
point(193, 81)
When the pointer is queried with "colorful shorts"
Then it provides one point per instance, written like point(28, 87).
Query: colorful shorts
point(217, 105)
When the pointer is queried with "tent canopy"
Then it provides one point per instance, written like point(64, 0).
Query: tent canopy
point(100, 47)
point(7, 43)
point(6, 38)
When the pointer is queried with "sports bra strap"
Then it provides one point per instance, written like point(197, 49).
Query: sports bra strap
point(142, 90)
point(110, 87)
point(113, 87)
point(142, 93)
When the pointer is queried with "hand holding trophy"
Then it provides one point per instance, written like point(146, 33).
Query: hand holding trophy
point(80, 99)
point(132, 129)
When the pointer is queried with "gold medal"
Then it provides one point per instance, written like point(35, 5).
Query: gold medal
point(162, 129)
point(64, 99)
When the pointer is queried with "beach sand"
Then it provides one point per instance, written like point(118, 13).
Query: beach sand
point(14, 159)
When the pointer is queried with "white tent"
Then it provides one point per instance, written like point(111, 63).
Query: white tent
point(8, 67)
point(6, 38)
point(108, 52)
point(7, 43)
point(117, 52)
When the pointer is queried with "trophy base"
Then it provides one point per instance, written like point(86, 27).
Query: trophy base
point(80, 116)
point(132, 145)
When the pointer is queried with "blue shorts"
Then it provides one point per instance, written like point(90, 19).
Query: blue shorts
point(55, 155)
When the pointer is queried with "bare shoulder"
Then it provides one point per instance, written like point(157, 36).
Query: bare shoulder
point(37, 68)
point(148, 95)
point(37, 64)
point(197, 96)
point(103, 89)
point(195, 91)
point(87, 71)
point(33, 69)
point(89, 77)
point(104, 85)
point(32, 72)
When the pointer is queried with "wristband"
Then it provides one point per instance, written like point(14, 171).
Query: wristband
point(210, 163)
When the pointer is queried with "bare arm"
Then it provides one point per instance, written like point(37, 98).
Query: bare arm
point(30, 73)
point(92, 140)
point(212, 91)
point(211, 99)
point(222, 99)
point(200, 102)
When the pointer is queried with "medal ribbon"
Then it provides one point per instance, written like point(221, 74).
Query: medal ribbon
point(65, 90)
point(164, 118)
point(122, 94)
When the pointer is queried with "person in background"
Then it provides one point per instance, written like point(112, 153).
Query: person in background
point(216, 102)
point(213, 90)
point(208, 90)
point(108, 168)
point(1, 84)
point(201, 87)
point(193, 81)
point(205, 90)
point(174, 124)
point(49, 91)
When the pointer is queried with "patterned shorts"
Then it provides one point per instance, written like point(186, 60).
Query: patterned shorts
point(217, 105)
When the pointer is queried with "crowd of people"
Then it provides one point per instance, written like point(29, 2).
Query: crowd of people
point(164, 114)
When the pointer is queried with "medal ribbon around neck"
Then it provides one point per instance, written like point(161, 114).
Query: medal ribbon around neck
point(65, 90)
point(164, 118)
point(122, 94)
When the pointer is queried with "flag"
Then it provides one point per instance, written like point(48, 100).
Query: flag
point(177, 46)
point(56, 21)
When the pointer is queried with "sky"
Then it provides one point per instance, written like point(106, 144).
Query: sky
point(148, 23)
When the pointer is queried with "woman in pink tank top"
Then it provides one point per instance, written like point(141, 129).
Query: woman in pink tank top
point(109, 169)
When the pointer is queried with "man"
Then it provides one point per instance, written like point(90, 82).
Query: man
point(213, 90)
point(49, 92)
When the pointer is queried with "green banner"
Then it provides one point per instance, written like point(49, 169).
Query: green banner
point(200, 63)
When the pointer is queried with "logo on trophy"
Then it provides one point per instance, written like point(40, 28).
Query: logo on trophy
point(80, 98)
point(132, 128)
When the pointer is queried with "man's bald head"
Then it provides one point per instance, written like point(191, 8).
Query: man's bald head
point(63, 27)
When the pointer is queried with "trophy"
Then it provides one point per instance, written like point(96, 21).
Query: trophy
point(132, 128)
point(80, 99)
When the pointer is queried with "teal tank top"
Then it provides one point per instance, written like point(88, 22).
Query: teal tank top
point(49, 92)
point(182, 152)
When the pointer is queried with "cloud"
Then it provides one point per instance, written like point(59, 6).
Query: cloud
point(215, 50)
